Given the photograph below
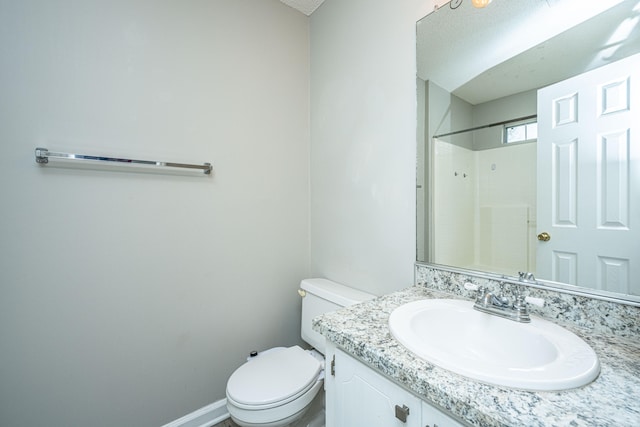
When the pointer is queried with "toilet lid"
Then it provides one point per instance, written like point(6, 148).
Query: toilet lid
point(274, 377)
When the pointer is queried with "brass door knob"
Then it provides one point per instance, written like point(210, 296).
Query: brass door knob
point(544, 236)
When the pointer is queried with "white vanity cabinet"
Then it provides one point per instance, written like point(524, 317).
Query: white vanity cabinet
point(357, 396)
point(434, 417)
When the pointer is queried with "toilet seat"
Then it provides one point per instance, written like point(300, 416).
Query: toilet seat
point(273, 379)
point(274, 387)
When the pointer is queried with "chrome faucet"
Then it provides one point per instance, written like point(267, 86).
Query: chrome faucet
point(499, 305)
point(524, 275)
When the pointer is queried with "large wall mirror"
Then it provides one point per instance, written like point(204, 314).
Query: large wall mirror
point(529, 142)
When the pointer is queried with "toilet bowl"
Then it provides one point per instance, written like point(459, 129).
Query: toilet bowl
point(277, 387)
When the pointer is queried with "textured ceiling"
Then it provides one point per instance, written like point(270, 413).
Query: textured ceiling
point(305, 6)
point(458, 48)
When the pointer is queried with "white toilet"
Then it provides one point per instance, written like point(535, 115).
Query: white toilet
point(278, 386)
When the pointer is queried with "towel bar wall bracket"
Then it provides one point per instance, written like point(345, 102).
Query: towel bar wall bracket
point(42, 157)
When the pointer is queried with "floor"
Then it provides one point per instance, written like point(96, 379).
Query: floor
point(226, 423)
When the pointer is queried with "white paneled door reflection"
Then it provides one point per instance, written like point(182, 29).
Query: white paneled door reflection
point(589, 178)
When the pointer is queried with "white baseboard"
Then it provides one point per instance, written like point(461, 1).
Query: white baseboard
point(203, 417)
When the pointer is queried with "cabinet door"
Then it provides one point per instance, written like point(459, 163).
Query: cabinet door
point(434, 417)
point(359, 397)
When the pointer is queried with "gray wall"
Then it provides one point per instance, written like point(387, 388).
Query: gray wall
point(363, 142)
point(127, 298)
point(447, 112)
point(502, 109)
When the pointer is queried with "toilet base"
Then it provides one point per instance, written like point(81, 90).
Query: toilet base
point(311, 416)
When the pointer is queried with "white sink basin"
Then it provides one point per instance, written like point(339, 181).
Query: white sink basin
point(537, 356)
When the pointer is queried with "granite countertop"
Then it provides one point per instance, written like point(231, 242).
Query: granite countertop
point(613, 399)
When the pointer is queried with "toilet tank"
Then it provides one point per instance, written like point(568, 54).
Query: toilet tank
point(322, 296)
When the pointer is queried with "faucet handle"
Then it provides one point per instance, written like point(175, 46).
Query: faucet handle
point(526, 276)
point(520, 297)
point(521, 300)
point(535, 301)
point(479, 290)
point(471, 286)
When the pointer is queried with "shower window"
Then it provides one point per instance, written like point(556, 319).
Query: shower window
point(520, 132)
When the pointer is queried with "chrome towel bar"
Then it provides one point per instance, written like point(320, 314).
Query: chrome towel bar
point(42, 156)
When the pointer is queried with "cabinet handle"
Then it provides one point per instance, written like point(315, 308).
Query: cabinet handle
point(333, 366)
point(402, 413)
